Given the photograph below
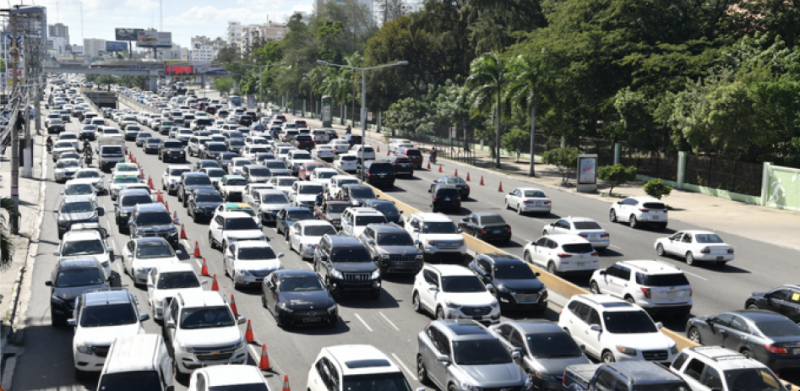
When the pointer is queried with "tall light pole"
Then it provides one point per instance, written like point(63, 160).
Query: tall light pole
point(260, 76)
point(363, 97)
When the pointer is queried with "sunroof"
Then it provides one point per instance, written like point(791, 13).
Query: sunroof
point(359, 364)
point(466, 329)
point(615, 305)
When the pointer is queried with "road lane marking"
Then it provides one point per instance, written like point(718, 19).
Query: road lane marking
point(541, 221)
point(390, 322)
point(616, 247)
point(365, 323)
point(692, 274)
point(405, 368)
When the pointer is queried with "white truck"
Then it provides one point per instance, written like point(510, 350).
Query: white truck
point(110, 151)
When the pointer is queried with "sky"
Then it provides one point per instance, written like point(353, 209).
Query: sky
point(183, 18)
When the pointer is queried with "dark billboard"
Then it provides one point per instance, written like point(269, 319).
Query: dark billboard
point(114, 46)
point(123, 34)
point(179, 70)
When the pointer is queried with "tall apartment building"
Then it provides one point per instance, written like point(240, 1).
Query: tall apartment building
point(388, 10)
point(205, 49)
point(58, 30)
point(270, 31)
point(93, 46)
point(234, 34)
point(58, 44)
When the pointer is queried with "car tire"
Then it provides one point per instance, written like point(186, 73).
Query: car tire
point(720, 263)
point(752, 306)
point(211, 241)
point(519, 209)
point(80, 375)
point(56, 322)
point(527, 258)
point(612, 215)
point(375, 295)
point(415, 303)
point(747, 353)
point(607, 357)
point(694, 335)
point(630, 299)
point(689, 258)
point(439, 313)
point(551, 267)
point(660, 250)
point(544, 232)
point(632, 222)
point(662, 226)
point(422, 372)
point(264, 301)
point(594, 288)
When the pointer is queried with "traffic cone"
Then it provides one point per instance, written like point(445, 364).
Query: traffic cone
point(196, 249)
point(204, 269)
point(248, 334)
point(429, 165)
point(214, 285)
point(166, 203)
point(481, 180)
point(263, 363)
point(150, 183)
point(379, 148)
point(456, 172)
point(286, 383)
point(440, 168)
point(500, 189)
point(467, 176)
point(233, 306)
point(160, 198)
point(175, 216)
point(183, 232)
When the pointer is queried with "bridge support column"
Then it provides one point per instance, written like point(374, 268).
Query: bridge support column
point(153, 83)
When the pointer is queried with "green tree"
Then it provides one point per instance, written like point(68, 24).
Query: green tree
point(119, 56)
point(656, 188)
point(565, 159)
point(486, 82)
point(223, 85)
point(515, 140)
point(523, 73)
point(6, 246)
point(617, 175)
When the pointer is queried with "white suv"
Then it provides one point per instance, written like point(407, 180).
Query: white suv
point(438, 236)
point(355, 220)
point(348, 367)
point(656, 286)
point(172, 177)
point(164, 282)
point(706, 368)
point(453, 292)
point(248, 262)
point(639, 210)
point(615, 330)
point(562, 254)
point(229, 227)
point(202, 331)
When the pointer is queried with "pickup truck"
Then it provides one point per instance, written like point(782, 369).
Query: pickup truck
point(110, 151)
point(622, 376)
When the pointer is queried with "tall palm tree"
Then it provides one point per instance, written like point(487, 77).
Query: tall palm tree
point(523, 76)
point(355, 61)
point(6, 247)
point(487, 78)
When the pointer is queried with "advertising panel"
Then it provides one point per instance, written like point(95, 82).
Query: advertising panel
point(178, 70)
point(587, 165)
point(115, 46)
point(125, 34)
point(154, 39)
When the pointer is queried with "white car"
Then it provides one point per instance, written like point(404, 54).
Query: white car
point(373, 365)
point(320, 136)
point(229, 227)
point(65, 169)
point(140, 255)
point(528, 200)
point(337, 181)
point(562, 254)
point(323, 152)
point(614, 330)
point(583, 227)
point(283, 152)
point(694, 246)
point(127, 169)
point(165, 281)
point(304, 236)
point(250, 151)
point(248, 262)
point(304, 194)
point(283, 183)
point(95, 175)
point(236, 165)
point(63, 146)
point(80, 187)
point(346, 162)
point(68, 136)
point(172, 177)
point(368, 153)
point(656, 286)
point(120, 182)
point(355, 220)
point(453, 292)
point(340, 146)
point(86, 243)
point(323, 176)
point(231, 187)
point(639, 210)
point(239, 207)
point(228, 377)
point(400, 143)
point(438, 236)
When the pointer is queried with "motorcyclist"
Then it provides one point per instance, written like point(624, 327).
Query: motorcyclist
point(49, 143)
point(432, 157)
point(347, 131)
point(87, 145)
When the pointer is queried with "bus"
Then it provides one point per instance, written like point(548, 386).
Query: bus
point(235, 100)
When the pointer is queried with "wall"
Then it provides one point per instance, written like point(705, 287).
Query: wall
point(781, 188)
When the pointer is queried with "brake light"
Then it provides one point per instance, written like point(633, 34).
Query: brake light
point(665, 211)
point(646, 292)
point(730, 251)
point(644, 210)
point(705, 250)
point(436, 198)
point(508, 229)
point(458, 198)
point(483, 231)
point(776, 349)
point(547, 202)
point(604, 235)
point(594, 254)
point(583, 236)
point(528, 202)
point(369, 175)
point(564, 255)
point(466, 187)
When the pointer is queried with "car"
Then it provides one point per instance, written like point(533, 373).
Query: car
point(304, 194)
point(248, 262)
point(202, 203)
point(438, 237)
point(487, 226)
point(231, 187)
point(141, 136)
point(356, 194)
point(101, 316)
point(331, 211)
point(87, 132)
point(260, 157)
point(286, 217)
point(65, 169)
point(80, 187)
point(239, 207)
point(704, 368)
point(561, 254)
point(307, 169)
point(153, 220)
point(362, 153)
point(60, 147)
point(205, 163)
point(304, 142)
point(297, 158)
point(70, 278)
point(228, 377)
point(214, 174)
point(224, 159)
point(356, 219)
point(171, 150)
point(377, 173)
point(235, 145)
point(276, 167)
point(388, 209)
point(171, 177)
point(783, 300)
point(760, 335)
point(195, 144)
point(140, 255)
point(453, 292)
point(461, 355)
point(131, 131)
point(334, 189)
point(255, 173)
point(402, 165)
point(127, 169)
point(696, 246)
point(512, 281)
point(461, 185)
point(445, 197)
point(228, 227)
point(340, 146)
point(190, 181)
point(373, 368)
point(545, 350)
point(656, 286)
point(288, 293)
point(166, 280)
point(304, 236)
point(283, 183)
point(267, 201)
point(396, 144)
point(55, 125)
point(151, 145)
point(126, 202)
point(528, 200)
point(75, 209)
point(95, 175)
point(211, 149)
point(183, 134)
point(236, 164)
point(392, 248)
point(323, 152)
point(344, 264)
point(87, 239)
point(583, 227)
point(639, 210)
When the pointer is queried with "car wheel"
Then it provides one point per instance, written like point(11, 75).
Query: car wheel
point(689, 258)
point(694, 335)
point(194, 216)
point(720, 263)
point(80, 375)
point(415, 302)
point(662, 226)
point(375, 295)
point(633, 222)
point(660, 250)
point(752, 306)
point(608, 357)
point(210, 241)
point(551, 267)
point(439, 314)
point(747, 353)
point(519, 209)
point(527, 257)
point(612, 215)
point(594, 288)
point(506, 204)
point(264, 301)
point(630, 299)
point(544, 232)
point(422, 372)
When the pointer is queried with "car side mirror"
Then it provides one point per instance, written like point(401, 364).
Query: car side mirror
point(595, 327)
point(72, 322)
point(511, 193)
point(61, 192)
point(56, 253)
point(659, 325)
point(370, 241)
point(416, 230)
point(489, 287)
point(48, 283)
point(515, 355)
point(241, 319)
point(433, 288)
point(460, 230)
point(111, 277)
point(144, 317)
point(601, 272)
point(109, 249)
point(170, 324)
point(443, 359)
point(179, 252)
point(204, 282)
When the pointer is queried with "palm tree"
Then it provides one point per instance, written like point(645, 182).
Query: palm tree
point(523, 73)
point(314, 80)
point(6, 246)
point(487, 77)
point(355, 61)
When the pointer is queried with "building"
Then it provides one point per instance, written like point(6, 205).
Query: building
point(234, 34)
point(204, 49)
point(176, 52)
point(270, 31)
point(57, 44)
point(93, 46)
point(58, 30)
point(388, 10)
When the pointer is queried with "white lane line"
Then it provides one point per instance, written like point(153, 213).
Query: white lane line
point(616, 247)
point(692, 274)
point(541, 221)
point(187, 245)
point(365, 323)
point(390, 322)
point(405, 368)
point(199, 263)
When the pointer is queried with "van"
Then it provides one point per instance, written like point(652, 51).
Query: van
point(139, 363)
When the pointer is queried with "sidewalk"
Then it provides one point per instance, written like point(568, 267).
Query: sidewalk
point(774, 226)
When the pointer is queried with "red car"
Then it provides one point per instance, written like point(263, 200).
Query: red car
point(306, 169)
point(413, 154)
point(211, 110)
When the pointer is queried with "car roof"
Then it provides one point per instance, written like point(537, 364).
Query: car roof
point(386, 227)
point(578, 219)
point(230, 375)
point(361, 359)
point(234, 214)
point(342, 240)
point(233, 176)
point(106, 297)
point(567, 239)
point(313, 223)
point(724, 358)
point(502, 258)
point(83, 234)
point(252, 243)
point(451, 270)
point(759, 315)
point(202, 298)
point(77, 198)
point(432, 217)
point(151, 240)
point(174, 267)
point(607, 302)
point(151, 208)
point(531, 326)
point(697, 232)
point(205, 190)
point(78, 262)
point(365, 211)
point(179, 166)
point(462, 329)
point(645, 199)
point(133, 353)
point(652, 266)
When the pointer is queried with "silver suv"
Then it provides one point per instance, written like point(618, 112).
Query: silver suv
point(461, 355)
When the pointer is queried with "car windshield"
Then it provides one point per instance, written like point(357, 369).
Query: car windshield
point(79, 189)
point(152, 140)
point(108, 315)
point(535, 194)
point(386, 208)
point(132, 200)
point(130, 381)
point(439, 227)
point(492, 219)
point(240, 223)
point(301, 156)
point(177, 280)
point(462, 284)
point(67, 136)
point(326, 174)
point(173, 145)
point(209, 197)
point(578, 248)
point(83, 276)
point(779, 328)
point(586, 225)
point(761, 379)
point(336, 208)
point(58, 121)
point(674, 279)
point(274, 198)
point(236, 182)
point(260, 171)
point(177, 171)
point(319, 230)
point(375, 219)
point(350, 158)
point(258, 149)
point(391, 381)
point(158, 218)
point(395, 239)
point(206, 317)
point(629, 322)
point(112, 131)
point(64, 144)
point(286, 182)
point(276, 164)
point(300, 284)
point(480, 352)
point(88, 174)
point(240, 387)
point(67, 164)
point(350, 254)
point(297, 215)
point(197, 180)
point(82, 247)
point(519, 271)
point(216, 173)
point(552, 345)
point(236, 142)
point(154, 250)
point(362, 192)
point(216, 147)
point(144, 135)
point(310, 189)
point(126, 179)
point(77, 207)
point(707, 238)
point(455, 181)
point(185, 131)
point(255, 253)
point(126, 168)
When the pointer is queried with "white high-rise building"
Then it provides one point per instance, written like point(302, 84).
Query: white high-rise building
point(255, 33)
point(396, 8)
point(93, 46)
point(234, 34)
point(204, 49)
point(58, 44)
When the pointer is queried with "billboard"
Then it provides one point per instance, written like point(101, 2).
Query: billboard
point(123, 34)
point(154, 39)
point(178, 70)
point(114, 46)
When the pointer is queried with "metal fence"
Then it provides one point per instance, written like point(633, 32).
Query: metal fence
point(654, 165)
point(730, 175)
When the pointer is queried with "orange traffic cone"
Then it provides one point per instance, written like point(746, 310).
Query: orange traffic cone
point(286, 383)
point(379, 148)
point(166, 203)
point(467, 176)
point(150, 183)
point(183, 232)
point(248, 334)
point(196, 249)
point(500, 189)
point(429, 165)
point(233, 306)
point(263, 364)
point(440, 168)
point(175, 215)
point(204, 269)
point(456, 172)
point(214, 285)
point(481, 180)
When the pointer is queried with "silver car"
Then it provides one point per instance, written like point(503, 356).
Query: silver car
point(66, 169)
point(462, 355)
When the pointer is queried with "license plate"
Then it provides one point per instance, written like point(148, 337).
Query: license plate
point(720, 258)
point(796, 351)
point(538, 204)
point(310, 320)
point(478, 318)
point(447, 199)
point(672, 293)
point(497, 231)
point(654, 217)
point(595, 237)
point(581, 263)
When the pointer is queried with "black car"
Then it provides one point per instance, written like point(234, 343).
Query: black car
point(784, 300)
point(126, 201)
point(286, 218)
point(762, 335)
point(402, 165)
point(55, 126)
point(486, 226)
point(244, 120)
point(150, 220)
point(356, 195)
point(304, 142)
point(388, 209)
point(460, 184)
point(346, 266)
point(298, 297)
point(392, 248)
point(202, 203)
point(445, 197)
point(352, 139)
point(211, 149)
point(224, 158)
point(205, 163)
point(235, 145)
point(377, 173)
point(190, 181)
point(70, 278)
point(511, 280)
point(171, 150)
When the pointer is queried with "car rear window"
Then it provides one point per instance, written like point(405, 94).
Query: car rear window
point(304, 138)
point(578, 248)
point(413, 152)
point(654, 205)
point(675, 279)
point(381, 168)
point(447, 193)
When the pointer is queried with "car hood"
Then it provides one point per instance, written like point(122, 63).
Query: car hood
point(207, 205)
point(76, 216)
point(399, 250)
point(305, 197)
point(452, 237)
point(556, 366)
point(472, 299)
point(164, 293)
point(104, 336)
point(151, 263)
point(310, 240)
point(317, 300)
point(263, 265)
point(75, 291)
point(234, 188)
point(333, 216)
point(155, 228)
point(357, 267)
point(246, 234)
point(273, 207)
point(494, 375)
point(214, 336)
point(528, 285)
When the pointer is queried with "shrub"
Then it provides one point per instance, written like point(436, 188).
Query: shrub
point(565, 159)
point(617, 175)
point(657, 189)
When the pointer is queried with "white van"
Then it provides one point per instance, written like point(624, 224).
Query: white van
point(139, 362)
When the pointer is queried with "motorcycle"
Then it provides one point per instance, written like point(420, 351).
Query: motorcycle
point(87, 158)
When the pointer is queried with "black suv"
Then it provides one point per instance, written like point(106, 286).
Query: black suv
point(171, 150)
point(304, 142)
point(211, 149)
point(190, 181)
point(352, 139)
point(346, 266)
point(153, 220)
point(235, 145)
point(784, 300)
point(392, 248)
point(445, 197)
point(202, 203)
point(377, 173)
point(402, 165)
point(393, 215)
point(126, 202)
point(512, 281)
point(70, 278)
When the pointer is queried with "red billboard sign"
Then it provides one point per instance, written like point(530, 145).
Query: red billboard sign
point(179, 70)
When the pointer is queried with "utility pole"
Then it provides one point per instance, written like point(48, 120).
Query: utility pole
point(14, 57)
